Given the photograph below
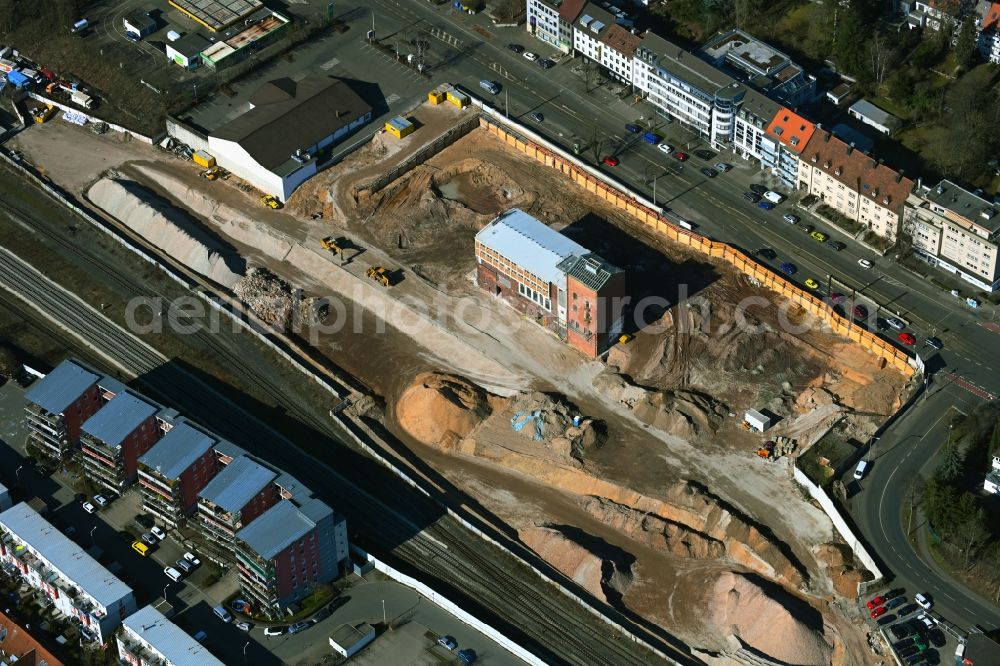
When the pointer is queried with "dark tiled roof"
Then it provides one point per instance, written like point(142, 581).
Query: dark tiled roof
point(621, 40)
point(589, 269)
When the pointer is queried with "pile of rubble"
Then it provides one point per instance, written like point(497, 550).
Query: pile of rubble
point(546, 419)
point(267, 295)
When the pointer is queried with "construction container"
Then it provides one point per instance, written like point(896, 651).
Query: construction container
point(399, 127)
point(203, 158)
point(461, 100)
point(757, 421)
point(435, 97)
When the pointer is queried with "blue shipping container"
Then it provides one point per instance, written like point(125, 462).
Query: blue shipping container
point(18, 79)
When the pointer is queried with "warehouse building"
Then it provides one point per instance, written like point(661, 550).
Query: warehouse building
point(553, 279)
point(139, 23)
point(74, 582)
point(278, 144)
point(186, 51)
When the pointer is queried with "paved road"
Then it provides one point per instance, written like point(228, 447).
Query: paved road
point(402, 527)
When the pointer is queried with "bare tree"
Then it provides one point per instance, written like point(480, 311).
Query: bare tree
point(879, 55)
point(913, 496)
point(972, 535)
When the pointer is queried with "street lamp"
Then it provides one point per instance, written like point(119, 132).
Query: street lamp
point(165, 591)
point(871, 449)
point(245, 651)
point(92, 529)
point(17, 474)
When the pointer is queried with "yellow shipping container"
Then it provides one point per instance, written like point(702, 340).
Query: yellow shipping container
point(458, 99)
point(204, 159)
point(435, 97)
point(399, 127)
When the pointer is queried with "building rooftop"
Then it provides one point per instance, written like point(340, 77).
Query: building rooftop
point(118, 419)
point(237, 484)
point(618, 38)
point(177, 451)
point(217, 14)
point(56, 391)
point(190, 45)
point(279, 527)
point(569, 10)
point(865, 108)
point(791, 129)
point(348, 635)
point(21, 647)
point(64, 555)
point(530, 244)
point(288, 115)
point(165, 637)
point(745, 52)
point(853, 137)
point(982, 650)
point(760, 105)
point(684, 65)
point(858, 171)
point(291, 486)
point(141, 19)
point(594, 21)
point(964, 204)
point(590, 269)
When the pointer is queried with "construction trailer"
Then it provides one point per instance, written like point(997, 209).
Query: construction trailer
point(399, 127)
point(756, 420)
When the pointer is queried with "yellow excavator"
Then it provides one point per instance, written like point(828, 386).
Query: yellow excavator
point(270, 201)
point(380, 274)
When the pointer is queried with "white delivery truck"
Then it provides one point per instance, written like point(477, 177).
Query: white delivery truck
point(773, 197)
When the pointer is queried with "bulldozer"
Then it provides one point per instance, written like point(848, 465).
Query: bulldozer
point(270, 201)
point(379, 274)
point(211, 173)
point(336, 246)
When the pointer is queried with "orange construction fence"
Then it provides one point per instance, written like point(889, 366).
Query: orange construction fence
point(740, 261)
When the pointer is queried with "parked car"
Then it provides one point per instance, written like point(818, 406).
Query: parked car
point(89, 508)
point(906, 610)
point(158, 533)
point(681, 156)
point(876, 602)
point(531, 57)
point(757, 189)
point(936, 637)
point(766, 205)
point(897, 324)
point(881, 324)
point(836, 245)
point(751, 197)
point(788, 268)
point(860, 311)
point(766, 253)
point(907, 338)
point(807, 228)
point(611, 160)
point(791, 219)
point(819, 236)
point(144, 520)
point(836, 297)
point(148, 539)
point(709, 172)
point(321, 615)
point(864, 263)
point(704, 154)
point(878, 612)
point(900, 630)
point(101, 501)
point(665, 148)
point(192, 559)
point(895, 603)
point(201, 636)
point(906, 652)
point(297, 627)
point(516, 48)
point(184, 565)
point(537, 117)
point(448, 642)
point(545, 63)
point(885, 619)
point(934, 342)
point(632, 128)
point(923, 600)
point(467, 656)
point(173, 574)
point(244, 626)
point(278, 630)
point(724, 167)
point(812, 284)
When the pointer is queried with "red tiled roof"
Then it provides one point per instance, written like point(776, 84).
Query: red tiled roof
point(569, 10)
point(858, 171)
point(17, 642)
point(621, 40)
point(992, 18)
point(950, 7)
point(791, 129)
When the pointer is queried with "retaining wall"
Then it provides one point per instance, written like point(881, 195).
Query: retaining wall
point(662, 224)
point(187, 135)
point(93, 119)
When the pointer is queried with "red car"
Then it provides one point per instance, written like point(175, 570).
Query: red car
point(611, 161)
point(681, 156)
point(860, 311)
point(907, 339)
point(837, 297)
point(878, 611)
point(877, 601)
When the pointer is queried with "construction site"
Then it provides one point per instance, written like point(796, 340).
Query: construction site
point(641, 475)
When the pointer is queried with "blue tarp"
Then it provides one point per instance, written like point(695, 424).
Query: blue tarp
point(520, 420)
point(18, 79)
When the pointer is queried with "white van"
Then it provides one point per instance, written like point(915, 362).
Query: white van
point(860, 470)
point(222, 614)
point(173, 574)
point(773, 197)
point(489, 86)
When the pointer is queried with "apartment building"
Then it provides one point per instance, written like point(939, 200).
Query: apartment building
point(989, 30)
point(552, 21)
point(750, 137)
point(57, 405)
point(19, 647)
point(598, 38)
point(148, 638)
point(288, 551)
point(113, 439)
point(856, 185)
point(934, 14)
point(175, 470)
point(239, 493)
point(790, 133)
point(528, 264)
point(68, 579)
point(957, 231)
point(760, 65)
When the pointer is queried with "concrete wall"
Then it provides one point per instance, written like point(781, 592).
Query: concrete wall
point(93, 119)
point(196, 140)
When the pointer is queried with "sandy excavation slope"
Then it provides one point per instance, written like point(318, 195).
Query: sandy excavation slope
point(168, 228)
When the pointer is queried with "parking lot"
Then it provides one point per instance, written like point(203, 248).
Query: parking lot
point(915, 632)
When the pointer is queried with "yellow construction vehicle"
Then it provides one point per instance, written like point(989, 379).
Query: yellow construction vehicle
point(42, 114)
point(212, 173)
point(270, 201)
point(379, 274)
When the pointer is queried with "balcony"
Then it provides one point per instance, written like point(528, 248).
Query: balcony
point(140, 652)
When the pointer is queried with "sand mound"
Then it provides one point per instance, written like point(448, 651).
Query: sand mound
point(439, 409)
point(168, 229)
point(549, 419)
point(686, 414)
point(601, 568)
point(768, 621)
point(838, 560)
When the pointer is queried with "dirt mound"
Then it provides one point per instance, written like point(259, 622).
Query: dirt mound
point(767, 620)
point(549, 419)
point(838, 560)
point(602, 569)
point(168, 228)
point(440, 410)
point(653, 530)
point(686, 414)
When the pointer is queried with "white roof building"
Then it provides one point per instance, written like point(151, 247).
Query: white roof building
point(149, 638)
